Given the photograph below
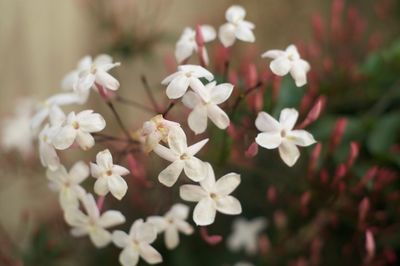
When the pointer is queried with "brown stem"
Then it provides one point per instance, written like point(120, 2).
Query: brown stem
point(149, 93)
point(120, 123)
point(243, 96)
point(133, 103)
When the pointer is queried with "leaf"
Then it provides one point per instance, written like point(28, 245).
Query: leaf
point(383, 135)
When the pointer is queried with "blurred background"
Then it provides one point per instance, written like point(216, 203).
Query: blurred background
point(42, 40)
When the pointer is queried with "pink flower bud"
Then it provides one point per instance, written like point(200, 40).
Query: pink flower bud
point(363, 208)
point(137, 171)
point(369, 245)
point(252, 150)
point(337, 133)
point(200, 44)
point(315, 155)
point(264, 244)
point(353, 154)
point(272, 194)
point(250, 75)
point(212, 240)
point(100, 202)
point(318, 27)
point(314, 113)
point(107, 95)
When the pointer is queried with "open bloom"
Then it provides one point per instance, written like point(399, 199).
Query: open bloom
point(109, 176)
point(245, 234)
point(156, 130)
point(79, 127)
point(281, 134)
point(68, 184)
point(289, 61)
point(212, 197)
point(90, 74)
point(181, 157)
point(173, 222)
point(92, 223)
point(236, 27)
point(186, 76)
point(187, 44)
point(207, 106)
point(137, 244)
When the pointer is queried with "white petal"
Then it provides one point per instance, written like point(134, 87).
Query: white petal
point(95, 170)
point(90, 122)
point(117, 186)
point(273, 54)
point(195, 169)
point(299, 73)
point(226, 34)
point(177, 140)
point(267, 123)
point(184, 227)
point(78, 232)
point(79, 172)
point(101, 186)
point(171, 237)
point(85, 63)
point(111, 218)
point(197, 71)
point(106, 80)
point(221, 93)
point(235, 13)
point(195, 148)
point(301, 138)
point(149, 254)
point(197, 119)
point(191, 99)
point(169, 175)
point(289, 153)
point(218, 116)
point(69, 80)
point(280, 66)
point(165, 153)
point(269, 140)
point(198, 87)
point(184, 50)
point(48, 156)
point(244, 33)
point(208, 183)
point(129, 257)
point(90, 206)
point(100, 237)
point(64, 138)
point(192, 193)
point(288, 118)
point(146, 233)
point(159, 222)
point(177, 87)
point(208, 33)
point(204, 212)
point(102, 59)
point(74, 217)
point(57, 116)
point(85, 140)
point(119, 170)
point(104, 159)
point(85, 82)
point(180, 211)
point(120, 238)
point(229, 205)
point(68, 198)
point(227, 184)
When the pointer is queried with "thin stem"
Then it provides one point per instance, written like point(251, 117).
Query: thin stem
point(242, 96)
point(170, 106)
point(126, 132)
point(150, 93)
point(134, 104)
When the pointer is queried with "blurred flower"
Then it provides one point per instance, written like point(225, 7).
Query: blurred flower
point(137, 244)
point(289, 61)
point(182, 158)
point(79, 127)
point(92, 224)
point(108, 175)
point(212, 197)
point(186, 76)
point(173, 222)
point(68, 183)
point(281, 134)
point(245, 234)
point(187, 44)
point(236, 27)
point(207, 106)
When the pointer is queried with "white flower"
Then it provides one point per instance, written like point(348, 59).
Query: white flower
point(186, 76)
point(289, 61)
point(187, 44)
point(207, 106)
point(68, 183)
point(245, 234)
point(89, 74)
point(156, 130)
point(212, 197)
point(182, 158)
point(78, 127)
point(281, 134)
point(16, 133)
point(173, 222)
point(109, 176)
point(92, 224)
point(44, 108)
point(137, 244)
point(236, 28)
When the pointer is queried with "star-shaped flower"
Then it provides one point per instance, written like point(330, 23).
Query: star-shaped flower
point(207, 106)
point(282, 135)
point(181, 157)
point(236, 27)
point(288, 61)
point(173, 222)
point(187, 44)
point(92, 223)
point(137, 244)
point(186, 76)
point(245, 234)
point(109, 176)
point(79, 127)
point(212, 196)
point(68, 184)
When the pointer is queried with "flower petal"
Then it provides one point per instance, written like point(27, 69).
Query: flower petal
point(195, 148)
point(119, 170)
point(299, 72)
point(180, 211)
point(244, 33)
point(221, 93)
point(177, 87)
point(235, 13)
point(104, 159)
point(208, 183)
point(208, 33)
point(204, 212)
point(171, 237)
point(117, 186)
point(129, 257)
point(269, 140)
point(288, 118)
point(227, 184)
point(229, 205)
point(159, 222)
point(79, 172)
point(226, 34)
point(301, 138)
point(64, 138)
point(106, 80)
point(273, 54)
point(197, 119)
point(266, 123)
point(90, 122)
point(280, 66)
point(120, 238)
point(111, 218)
point(177, 140)
point(85, 140)
point(218, 116)
point(192, 193)
point(101, 186)
point(169, 175)
point(100, 237)
point(146, 233)
point(191, 99)
point(195, 169)
point(165, 153)
point(289, 153)
point(184, 50)
point(149, 254)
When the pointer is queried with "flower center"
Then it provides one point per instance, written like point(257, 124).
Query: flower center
point(283, 133)
point(93, 69)
point(109, 172)
point(189, 74)
point(213, 196)
point(184, 156)
point(75, 125)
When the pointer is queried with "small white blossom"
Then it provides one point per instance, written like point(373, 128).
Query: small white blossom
point(90, 74)
point(187, 44)
point(212, 196)
point(78, 127)
point(173, 222)
point(109, 176)
point(154, 131)
point(186, 76)
point(207, 106)
point(245, 234)
point(236, 27)
point(289, 61)
point(181, 157)
point(67, 184)
point(281, 134)
point(137, 244)
point(93, 223)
